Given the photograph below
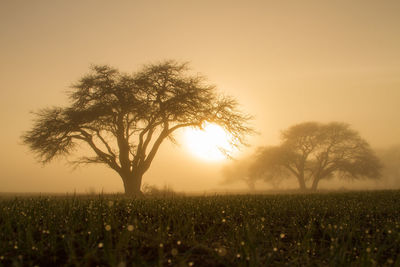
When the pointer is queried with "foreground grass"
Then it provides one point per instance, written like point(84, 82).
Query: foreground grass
point(336, 229)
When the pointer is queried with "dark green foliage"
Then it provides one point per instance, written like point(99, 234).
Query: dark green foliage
point(335, 229)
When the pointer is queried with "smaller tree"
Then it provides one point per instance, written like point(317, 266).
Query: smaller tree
point(238, 169)
point(312, 152)
point(262, 166)
point(267, 165)
point(390, 158)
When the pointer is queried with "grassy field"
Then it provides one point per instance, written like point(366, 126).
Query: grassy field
point(335, 229)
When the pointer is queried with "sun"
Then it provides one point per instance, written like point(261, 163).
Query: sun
point(208, 143)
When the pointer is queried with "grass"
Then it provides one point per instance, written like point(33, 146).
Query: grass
point(335, 229)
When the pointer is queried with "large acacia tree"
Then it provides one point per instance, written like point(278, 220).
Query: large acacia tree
point(124, 118)
point(312, 152)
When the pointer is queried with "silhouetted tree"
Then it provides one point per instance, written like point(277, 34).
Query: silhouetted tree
point(312, 152)
point(267, 165)
point(315, 151)
point(238, 169)
point(263, 165)
point(125, 118)
point(390, 158)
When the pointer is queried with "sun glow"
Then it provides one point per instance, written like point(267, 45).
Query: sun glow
point(209, 143)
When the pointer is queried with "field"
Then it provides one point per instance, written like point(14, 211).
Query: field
point(335, 229)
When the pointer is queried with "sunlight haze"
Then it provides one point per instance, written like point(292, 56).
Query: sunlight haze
point(285, 62)
point(210, 144)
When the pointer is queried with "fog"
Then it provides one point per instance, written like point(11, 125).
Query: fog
point(285, 62)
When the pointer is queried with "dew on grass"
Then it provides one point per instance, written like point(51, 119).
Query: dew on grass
point(222, 252)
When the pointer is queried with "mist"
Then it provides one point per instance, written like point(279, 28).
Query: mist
point(285, 63)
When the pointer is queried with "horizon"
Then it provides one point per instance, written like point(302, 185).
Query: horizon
point(285, 63)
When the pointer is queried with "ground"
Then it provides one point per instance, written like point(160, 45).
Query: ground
point(335, 229)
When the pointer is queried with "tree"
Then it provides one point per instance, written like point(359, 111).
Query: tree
point(267, 165)
point(263, 165)
point(124, 118)
point(390, 158)
point(238, 169)
point(312, 152)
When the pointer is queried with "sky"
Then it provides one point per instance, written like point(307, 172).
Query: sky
point(285, 62)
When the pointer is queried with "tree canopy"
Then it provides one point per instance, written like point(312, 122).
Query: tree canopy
point(124, 118)
point(312, 152)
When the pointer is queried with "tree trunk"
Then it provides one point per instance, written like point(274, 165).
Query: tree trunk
point(315, 184)
point(132, 184)
point(251, 183)
point(302, 183)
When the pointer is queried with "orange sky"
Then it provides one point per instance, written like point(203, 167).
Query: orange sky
point(285, 61)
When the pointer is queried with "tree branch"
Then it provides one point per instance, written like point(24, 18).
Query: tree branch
point(109, 159)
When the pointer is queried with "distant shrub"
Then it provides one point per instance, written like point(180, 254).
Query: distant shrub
point(153, 190)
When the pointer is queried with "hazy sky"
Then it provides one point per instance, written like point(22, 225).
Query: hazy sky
point(285, 61)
